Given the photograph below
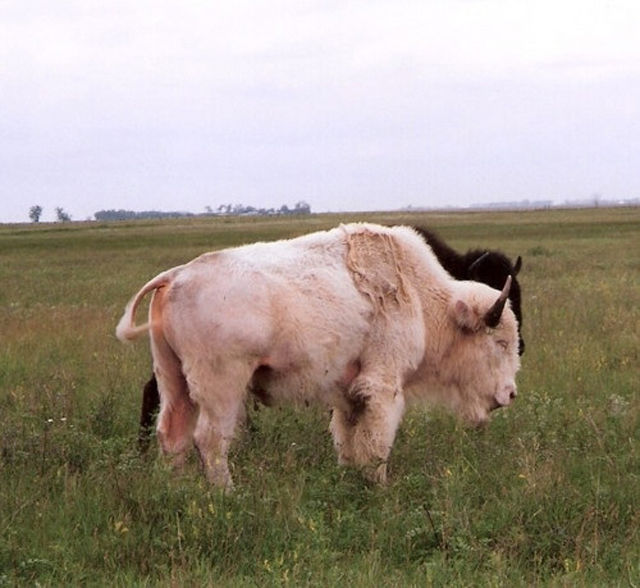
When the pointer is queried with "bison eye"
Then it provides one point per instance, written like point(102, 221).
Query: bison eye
point(502, 343)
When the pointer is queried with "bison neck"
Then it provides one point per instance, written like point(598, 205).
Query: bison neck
point(433, 380)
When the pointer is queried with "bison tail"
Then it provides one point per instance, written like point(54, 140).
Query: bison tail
point(127, 330)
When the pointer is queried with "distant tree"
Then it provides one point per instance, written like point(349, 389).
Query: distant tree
point(61, 215)
point(35, 212)
point(302, 207)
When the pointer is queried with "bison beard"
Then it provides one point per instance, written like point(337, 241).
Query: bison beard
point(366, 399)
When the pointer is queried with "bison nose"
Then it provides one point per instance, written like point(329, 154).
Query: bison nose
point(505, 396)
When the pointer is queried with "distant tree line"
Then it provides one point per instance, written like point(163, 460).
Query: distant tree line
point(300, 207)
point(121, 214)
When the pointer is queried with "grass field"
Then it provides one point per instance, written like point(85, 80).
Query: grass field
point(548, 494)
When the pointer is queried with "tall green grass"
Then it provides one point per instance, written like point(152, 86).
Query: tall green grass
point(546, 495)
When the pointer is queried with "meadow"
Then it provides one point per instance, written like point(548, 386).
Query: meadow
point(547, 495)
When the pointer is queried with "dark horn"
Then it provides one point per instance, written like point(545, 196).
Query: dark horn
point(492, 318)
point(517, 267)
point(473, 268)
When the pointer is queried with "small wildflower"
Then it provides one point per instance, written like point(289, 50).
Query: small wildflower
point(120, 527)
point(617, 405)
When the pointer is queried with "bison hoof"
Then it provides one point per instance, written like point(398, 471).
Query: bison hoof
point(376, 473)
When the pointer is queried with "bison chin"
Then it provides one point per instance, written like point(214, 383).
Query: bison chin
point(480, 415)
point(499, 401)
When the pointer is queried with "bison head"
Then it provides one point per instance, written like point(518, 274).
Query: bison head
point(480, 365)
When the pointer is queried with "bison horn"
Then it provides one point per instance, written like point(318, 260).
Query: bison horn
point(473, 268)
point(492, 317)
point(517, 267)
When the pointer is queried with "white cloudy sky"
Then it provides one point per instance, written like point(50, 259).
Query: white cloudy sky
point(349, 105)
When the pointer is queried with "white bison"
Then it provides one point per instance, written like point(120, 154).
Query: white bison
point(361, 318)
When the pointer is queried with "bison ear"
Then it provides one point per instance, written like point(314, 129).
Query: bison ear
point(517, 267)
point(466, 318)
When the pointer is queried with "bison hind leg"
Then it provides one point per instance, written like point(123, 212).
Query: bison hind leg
point(176, 419)
point(220, 393)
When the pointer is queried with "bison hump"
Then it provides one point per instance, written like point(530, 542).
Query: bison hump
point(375, 261)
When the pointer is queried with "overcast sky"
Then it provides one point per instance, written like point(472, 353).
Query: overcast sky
point(363, 105)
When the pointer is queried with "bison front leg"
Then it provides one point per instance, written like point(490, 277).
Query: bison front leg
point(364, 431)
point(340, 428)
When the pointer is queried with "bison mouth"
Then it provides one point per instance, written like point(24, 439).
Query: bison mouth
point(494, 405)
point(480, 420)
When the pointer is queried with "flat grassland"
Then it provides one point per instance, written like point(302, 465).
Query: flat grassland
point(547, 494)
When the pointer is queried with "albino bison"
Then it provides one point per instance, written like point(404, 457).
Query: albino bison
point(362, 318)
